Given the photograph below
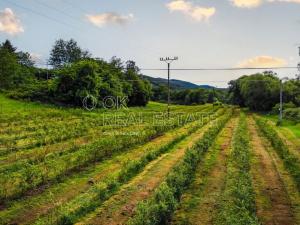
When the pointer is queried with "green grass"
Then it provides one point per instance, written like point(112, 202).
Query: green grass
point(290, 160)
point(292, 126)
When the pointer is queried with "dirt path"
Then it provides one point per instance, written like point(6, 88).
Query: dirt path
point(272, 201)
point(198, 204)
point(120, 207)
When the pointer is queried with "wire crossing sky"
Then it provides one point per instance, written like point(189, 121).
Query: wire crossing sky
point(202, 33)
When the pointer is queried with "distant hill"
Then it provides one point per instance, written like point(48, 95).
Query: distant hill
point(175, 84)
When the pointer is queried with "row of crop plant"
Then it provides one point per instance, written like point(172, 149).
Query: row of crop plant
point(90, 200)
point(237, 203)
point(55, 166)
point(159, 208)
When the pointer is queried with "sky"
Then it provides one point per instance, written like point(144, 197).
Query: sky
point(202, 33)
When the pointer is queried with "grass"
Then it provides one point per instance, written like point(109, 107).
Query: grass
point(290, 125)
point(290, 160)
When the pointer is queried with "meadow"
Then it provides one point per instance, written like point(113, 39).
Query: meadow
point(206, 164)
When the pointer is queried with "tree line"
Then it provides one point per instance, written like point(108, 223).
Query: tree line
point(196, 96)
point(74, 74)
point(261, 91)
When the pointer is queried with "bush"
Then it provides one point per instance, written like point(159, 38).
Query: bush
point(292, 114)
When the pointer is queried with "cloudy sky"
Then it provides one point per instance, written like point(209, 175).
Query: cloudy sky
point(202, 33)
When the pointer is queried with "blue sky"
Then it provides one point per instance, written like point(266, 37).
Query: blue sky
point(202, 33)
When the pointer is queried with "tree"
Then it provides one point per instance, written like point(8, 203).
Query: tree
point(140, 89)
point(25, 59)
point(77, 81)
point(66, 52)
point(258, 91)
point(8, 46)
point(9, 68)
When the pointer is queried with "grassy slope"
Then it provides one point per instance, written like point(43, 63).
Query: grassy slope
point(294, 128)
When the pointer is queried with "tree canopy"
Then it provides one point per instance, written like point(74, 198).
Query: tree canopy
point(66, 52)
point(261, 91)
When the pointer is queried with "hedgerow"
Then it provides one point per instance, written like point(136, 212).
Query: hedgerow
point(238, 199)
point(159, 208)
point(291, 162)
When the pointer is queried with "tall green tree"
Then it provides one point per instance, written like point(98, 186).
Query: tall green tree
point(141, 90)
point(9, 68)
point(258, 91)
point(77, 81)
point(66, 52)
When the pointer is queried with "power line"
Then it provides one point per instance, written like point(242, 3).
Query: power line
point(56, 9)
point(75, 7)
point(221, 69)
point(41, 14)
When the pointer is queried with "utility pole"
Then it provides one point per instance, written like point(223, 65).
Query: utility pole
point(281, 99)
point(280, 110)
point(299, 64)
point(169, 60)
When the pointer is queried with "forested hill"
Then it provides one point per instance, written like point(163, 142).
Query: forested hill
point(175, 84)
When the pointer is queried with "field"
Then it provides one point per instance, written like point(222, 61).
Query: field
point(204, 165)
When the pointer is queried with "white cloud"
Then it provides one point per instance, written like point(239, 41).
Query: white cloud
point(9, 23)
point(262, 61)
point(256, 3)
point(101, 20)
point(289, 1)
point(197, 13)
point(246, 3)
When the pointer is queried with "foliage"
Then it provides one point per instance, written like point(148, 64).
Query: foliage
point(189, 96)
point(77, 81)
point(74, 76)
point(66, 52)
point(261, 91)
point(258, 92)
point(292, 114)
point(9, 68)
point(139, 90)
point(16, 68)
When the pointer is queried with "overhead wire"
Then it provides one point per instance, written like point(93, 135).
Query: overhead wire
point(41, 14)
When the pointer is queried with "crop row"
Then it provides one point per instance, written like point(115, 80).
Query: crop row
point(90, 200)
point(55, 166)
point(49, 132)
point(291, 162)
point(40, 155)
point(238, 199)
point(159, 208)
